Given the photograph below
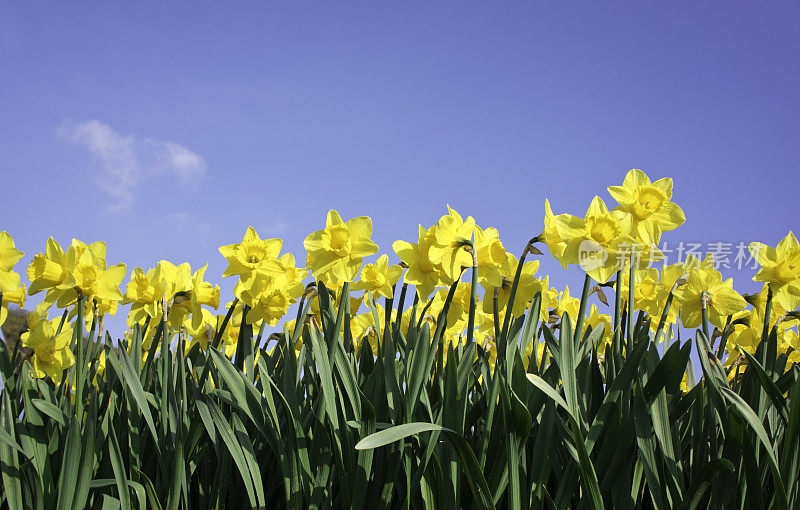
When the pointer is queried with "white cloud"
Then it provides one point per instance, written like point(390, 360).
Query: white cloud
point(187, 223)
point(124, 161)
point(276, 228)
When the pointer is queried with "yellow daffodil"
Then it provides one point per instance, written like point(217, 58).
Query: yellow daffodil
point(422, 272)
point(145, 292)
point(200, 332)
point(598, 241)
point(48, 271)
point(90, 275)
point(780, 268)
point(252, 254)
point(201, 293)
point(451, 235)
point(268, 303)
point(722, 300)
point(597, 320)
point(9, 254)
point(569, 304)
point(339, 248)
point(11, 294)
point(551, 235)
point(10, 288)
point(491, 257)
point(649, 295)
point(51, 354)
point(362, 327)
point(290, 278)
point(379, 278)
point(527, 287)
point(649, 204)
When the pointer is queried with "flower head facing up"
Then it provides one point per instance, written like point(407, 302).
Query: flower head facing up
point(649, 204)
point(252, 254)
point(597, 241)
point(339, 248)
point(90, 275)
point(780, 268)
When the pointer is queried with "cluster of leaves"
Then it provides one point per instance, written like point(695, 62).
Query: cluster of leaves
point(422, 424)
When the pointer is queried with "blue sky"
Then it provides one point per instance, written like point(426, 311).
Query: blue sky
point(165, 129)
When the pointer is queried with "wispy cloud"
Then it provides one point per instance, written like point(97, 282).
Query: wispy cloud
point(187, 223)
point(125, 161)
point(275, 228)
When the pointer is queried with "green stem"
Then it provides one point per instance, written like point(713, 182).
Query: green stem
point(165, 379)
point(662, 322)
point(587, 281)
point(79, 370)
point(631, 285)
point(472, 296)
point(765, 327)
point(400, 304)
point(617, 313)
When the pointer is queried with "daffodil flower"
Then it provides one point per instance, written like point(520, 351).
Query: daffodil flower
point(722, 300)
point(340, 247)
point(649, 205)
point(551, 235)
point(491, 256)
point(9, 254)
point(51, 354)
point(527, 287)
point(379, 278)
point(201, 293)
point(252, 254)
point(421, 272)
point(780, 268)
point(597, 241)
point(451, 235)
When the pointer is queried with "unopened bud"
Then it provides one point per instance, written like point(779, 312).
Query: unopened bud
point(682, 279)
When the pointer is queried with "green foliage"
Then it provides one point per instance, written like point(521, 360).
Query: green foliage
point(326, 426)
